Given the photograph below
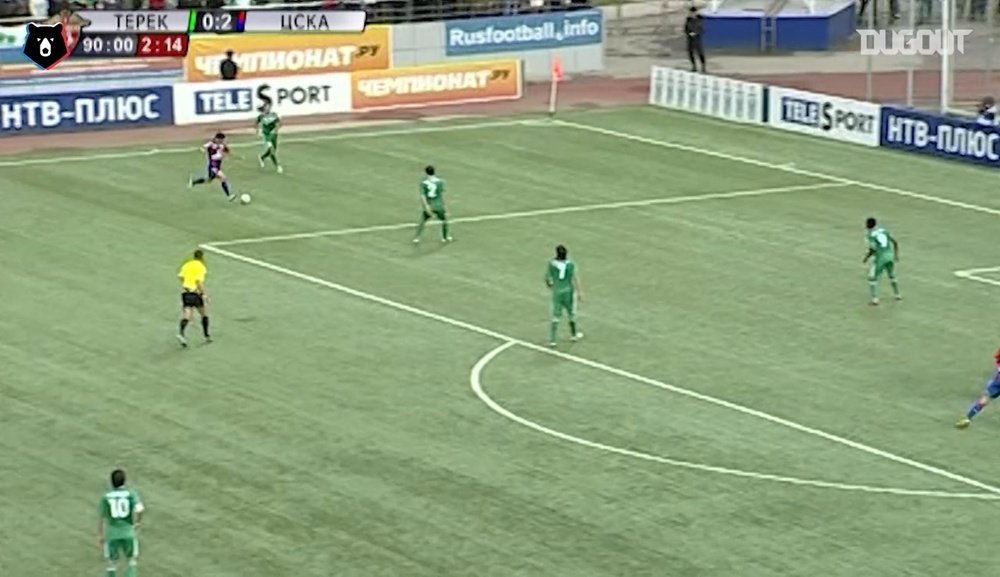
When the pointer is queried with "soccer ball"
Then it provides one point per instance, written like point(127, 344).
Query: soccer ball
point(245, 198)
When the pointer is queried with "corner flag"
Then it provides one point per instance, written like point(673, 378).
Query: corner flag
point(557, 69)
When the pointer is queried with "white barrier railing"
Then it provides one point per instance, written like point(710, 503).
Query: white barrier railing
point(726, 98)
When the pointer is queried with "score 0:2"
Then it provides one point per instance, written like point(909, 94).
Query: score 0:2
point(165, 45)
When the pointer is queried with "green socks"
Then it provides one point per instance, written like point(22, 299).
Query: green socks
point(110, 572)
point(554, 328)
point(420, 225)
point(270, 153)
point(131, 571)
point(895, 286)
point(445, 229)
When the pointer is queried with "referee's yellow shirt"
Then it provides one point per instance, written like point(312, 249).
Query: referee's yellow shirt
point(191, 274)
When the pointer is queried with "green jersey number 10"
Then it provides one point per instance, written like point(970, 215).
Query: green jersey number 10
point(119, 507)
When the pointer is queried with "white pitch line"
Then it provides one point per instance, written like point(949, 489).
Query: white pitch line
point(775, 166)
point(977, 270)
point(302, 139)
point(607, 368)
point(973, 275)
point(475, 380)
point(539, 212)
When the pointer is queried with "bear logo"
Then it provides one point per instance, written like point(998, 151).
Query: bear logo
point(45, 44)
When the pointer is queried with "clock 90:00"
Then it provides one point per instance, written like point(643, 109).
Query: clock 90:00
point(116, 45)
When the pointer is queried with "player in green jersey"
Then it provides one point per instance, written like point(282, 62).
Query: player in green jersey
point(120, 512)
point(432, 203)
point(564, 281)
point(267, 127)
point(885, 249)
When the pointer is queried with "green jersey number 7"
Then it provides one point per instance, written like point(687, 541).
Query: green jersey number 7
point(561, 267)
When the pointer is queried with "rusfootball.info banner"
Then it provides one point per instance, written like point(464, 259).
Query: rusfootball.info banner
point(524, 32)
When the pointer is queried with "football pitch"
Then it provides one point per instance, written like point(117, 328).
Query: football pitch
point(374, 408)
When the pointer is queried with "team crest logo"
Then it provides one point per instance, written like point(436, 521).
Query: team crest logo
point(48, 44)
point(72, 24)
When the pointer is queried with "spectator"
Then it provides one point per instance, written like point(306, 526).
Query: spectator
point(987, 114)
point(157, 4)
point(926, 9)
point(14, 8)
point(893, 11)
point(693, 29)
point(228, 69)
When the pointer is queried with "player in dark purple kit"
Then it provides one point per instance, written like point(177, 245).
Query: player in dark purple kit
point(992, 391)
point(216, 150)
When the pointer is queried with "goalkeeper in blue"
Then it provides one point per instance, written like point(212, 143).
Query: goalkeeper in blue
point(992, 391)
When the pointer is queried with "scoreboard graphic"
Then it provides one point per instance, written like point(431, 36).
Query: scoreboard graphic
point(166, 33)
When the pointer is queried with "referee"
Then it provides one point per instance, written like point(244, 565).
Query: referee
point(192, 275)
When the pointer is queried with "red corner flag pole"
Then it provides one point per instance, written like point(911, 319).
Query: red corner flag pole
point(557, 76)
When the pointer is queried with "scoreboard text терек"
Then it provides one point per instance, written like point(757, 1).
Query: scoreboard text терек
point(164, 33)
point(224, 21)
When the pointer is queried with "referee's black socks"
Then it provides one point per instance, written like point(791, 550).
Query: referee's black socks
point(184, 324)
point(204, 326)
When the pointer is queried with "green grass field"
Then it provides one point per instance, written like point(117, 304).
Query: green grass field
point(371, 408)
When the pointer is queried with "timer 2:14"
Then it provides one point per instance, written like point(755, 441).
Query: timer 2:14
point(167, 45)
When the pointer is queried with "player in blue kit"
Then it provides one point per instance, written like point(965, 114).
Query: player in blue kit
point(992, 391)
point(216, 151)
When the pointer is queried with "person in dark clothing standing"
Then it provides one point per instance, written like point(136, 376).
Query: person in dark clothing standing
point(987, 113)
point(228, 69)
point(693, 28)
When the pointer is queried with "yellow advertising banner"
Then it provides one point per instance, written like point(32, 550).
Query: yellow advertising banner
point(418, 86)
point(269, 55)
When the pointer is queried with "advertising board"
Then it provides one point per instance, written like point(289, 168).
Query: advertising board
point(945, 137)
point(239, 100)
point(461, 82)
point(271, 55)
point(521, 33)
point(79, 111)
point(824, 116)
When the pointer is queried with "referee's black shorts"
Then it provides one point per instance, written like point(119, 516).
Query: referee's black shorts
point(192, 300)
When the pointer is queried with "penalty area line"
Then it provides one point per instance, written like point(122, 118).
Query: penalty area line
point(475, 381)
point(788, 168)
point(666, 200)
point(606, 368)
point(973, 275)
